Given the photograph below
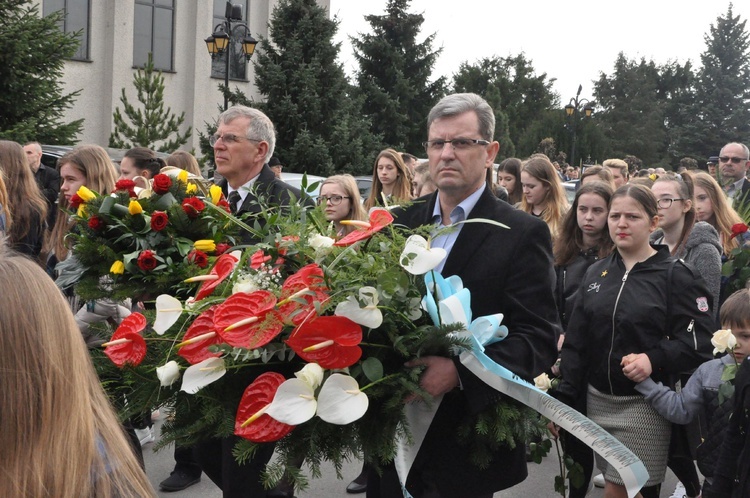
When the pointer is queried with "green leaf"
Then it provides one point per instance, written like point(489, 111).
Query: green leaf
point(373, 369)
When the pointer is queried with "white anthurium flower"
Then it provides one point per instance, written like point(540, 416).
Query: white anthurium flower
point(367, 316)
point(312, 374)
point(321, 244)
point(723, 341)
point(202, 374)
point(168, 311)
point(415, 308)
point(340, 401)
point(168, 373)
point(294, 402)
point(418, 257)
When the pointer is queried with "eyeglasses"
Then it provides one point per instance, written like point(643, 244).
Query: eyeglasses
point(666, 203)
point(456, 143)
point(335, 200)
point(735, 160)
point(229, 138)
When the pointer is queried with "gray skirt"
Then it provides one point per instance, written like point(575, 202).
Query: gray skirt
point(636, 425)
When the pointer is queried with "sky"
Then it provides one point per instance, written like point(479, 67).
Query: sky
point(573, 41)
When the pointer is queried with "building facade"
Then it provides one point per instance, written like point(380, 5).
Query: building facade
point(116, 38)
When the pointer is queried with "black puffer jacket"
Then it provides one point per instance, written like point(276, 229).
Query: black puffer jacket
point(620, 312)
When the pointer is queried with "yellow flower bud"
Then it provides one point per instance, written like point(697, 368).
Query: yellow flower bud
point(182, 176)
point(191, 188)
point(215, 192)
point(135, 208)
point(118, 268)
point(81, 211)
point(85, 194)
point(205, 245)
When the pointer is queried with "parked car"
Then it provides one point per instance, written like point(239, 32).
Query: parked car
point(51, 153)
point(295, 180)
point(364, 184)
point(570, 190)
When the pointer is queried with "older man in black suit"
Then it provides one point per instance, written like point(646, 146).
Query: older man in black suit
point(734, 161)
point(508, 271)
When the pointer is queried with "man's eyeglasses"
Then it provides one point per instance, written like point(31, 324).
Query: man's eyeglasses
point(666, 203)
point(735, 160)
point(335, 200)
point(229, 138)
point(456, 143)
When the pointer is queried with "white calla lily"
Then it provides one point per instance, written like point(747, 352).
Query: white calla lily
point(369, 315)
point(340, 401)
point(312, 374)
point(168, 311)
point(418, 257)
point(202, 374)
point(168, 373)
point(294, 402)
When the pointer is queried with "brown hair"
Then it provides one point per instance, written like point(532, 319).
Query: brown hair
point(724, 214)
point(4, 209)
point(25, 200)
point(512, 165)
point(540, 167)
point(570, 240)
point(402, 189)
point(58, 432)
point(145, 159)
point(735, 312)
point(684, 184)
point(601, 173)
point(184, 160)
point(640, 194)
point(349, 185)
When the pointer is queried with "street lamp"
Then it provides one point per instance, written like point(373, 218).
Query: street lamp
point(218, 43)
point(572, 111)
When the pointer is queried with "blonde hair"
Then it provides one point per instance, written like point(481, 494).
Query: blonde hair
point(724, 214)
point(24, 199)
point(4, 208)
point(349, 185)
point(59, 435)
point(184, 160)
point(402, 189)
point(540, 167)
point(95, 165)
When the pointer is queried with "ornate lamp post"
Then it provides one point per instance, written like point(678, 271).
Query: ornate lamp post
point(218, 42)
point(572, 111)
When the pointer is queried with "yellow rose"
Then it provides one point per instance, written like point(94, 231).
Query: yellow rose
point(118, 268)
point(182, 176)
point(85, 194)
point(215, 192)
point(205, 245)
point(135, 208)
point(191, 188)
point(723, 341)
point(81, 211)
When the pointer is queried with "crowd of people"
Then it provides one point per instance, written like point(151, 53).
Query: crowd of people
point(618, 294)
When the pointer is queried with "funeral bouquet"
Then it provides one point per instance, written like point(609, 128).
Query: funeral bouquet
point(142, 242)
point(301, 340)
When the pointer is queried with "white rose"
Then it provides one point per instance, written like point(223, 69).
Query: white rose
point(168, 373)
point(723, 341)
point(543, 382)
point(321, 243)
point(247, 285)
point(311, 374)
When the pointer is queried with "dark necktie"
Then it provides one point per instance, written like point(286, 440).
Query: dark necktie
point(234, 200)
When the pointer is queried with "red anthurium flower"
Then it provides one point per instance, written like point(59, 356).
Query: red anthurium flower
point(309, 283)
point(258, 259)
point(330, 341)
point(248, 320)
point(196, 352)
point(259, 427)
point(738, 229)
point(379, 219)
point(127, 345)
point(222, 268)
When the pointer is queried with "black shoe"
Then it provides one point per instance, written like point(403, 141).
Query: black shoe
point(358, 485)
point(179, 480)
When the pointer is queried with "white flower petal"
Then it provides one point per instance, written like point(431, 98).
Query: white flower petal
point(367, 317)
point(294, 402)
point(168, 311)
point(340, 401)
point(418, 257)
point(369, 295)
point(202, 374)
point(311, 374)
point(168, 373)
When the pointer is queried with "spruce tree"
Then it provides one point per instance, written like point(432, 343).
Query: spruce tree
point(153, 125)
point(32, 57)
point(394, 76)
point(320, 126)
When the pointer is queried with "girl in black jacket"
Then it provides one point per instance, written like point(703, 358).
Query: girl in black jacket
point(639, 312)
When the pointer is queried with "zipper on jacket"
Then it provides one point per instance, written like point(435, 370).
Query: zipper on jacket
point(612, 341)
point(691, 330)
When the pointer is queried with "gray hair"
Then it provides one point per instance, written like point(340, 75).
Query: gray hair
point(459, 103)
point(745, 150)
point(260, 127)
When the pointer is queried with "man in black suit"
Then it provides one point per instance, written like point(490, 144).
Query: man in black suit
point(47, 178)
point(508, 271)
point(734, 160)
point(243, 143)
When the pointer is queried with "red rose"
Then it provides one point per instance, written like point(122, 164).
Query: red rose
point(200, 258)
point(159, 221)
point(96, 223)
point(75, 202)
point(224, 205)
point(161, 184)
point(128, 185)
point(221, 248)
point(147, 260)
point(192, 206)
point(738, 228)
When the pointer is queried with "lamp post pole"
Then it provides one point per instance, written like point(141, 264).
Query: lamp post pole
point(572, 111)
